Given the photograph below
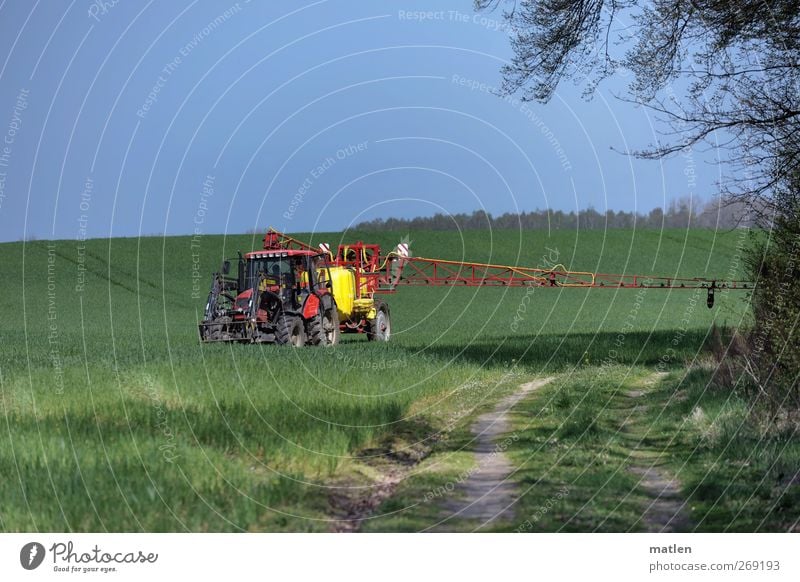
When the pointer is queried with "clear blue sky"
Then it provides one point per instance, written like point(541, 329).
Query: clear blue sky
point(301, 115)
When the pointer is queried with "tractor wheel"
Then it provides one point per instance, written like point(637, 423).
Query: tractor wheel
point(314, 335)
point(380, 328)
point(330, 326)
point(289, 331)
point(323, 328)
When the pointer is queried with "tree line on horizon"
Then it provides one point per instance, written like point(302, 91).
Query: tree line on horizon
point(680, 213)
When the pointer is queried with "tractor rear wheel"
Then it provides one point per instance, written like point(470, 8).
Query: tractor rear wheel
point(289, 331)
point(380, 328)
point(323, 328)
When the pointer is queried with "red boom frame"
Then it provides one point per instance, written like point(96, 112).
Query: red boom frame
point(424, 271)
point(382, 274)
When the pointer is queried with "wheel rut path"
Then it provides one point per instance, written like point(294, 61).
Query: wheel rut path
point(666, 509)
point(487, 495)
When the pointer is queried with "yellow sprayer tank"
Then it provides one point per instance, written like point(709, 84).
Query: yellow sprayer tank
point(344, 290)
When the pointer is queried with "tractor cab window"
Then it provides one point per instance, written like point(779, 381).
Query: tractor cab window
point(270, 272)
point(304, 275)
point(320, 266)
point(299, 269)
point(281, 273)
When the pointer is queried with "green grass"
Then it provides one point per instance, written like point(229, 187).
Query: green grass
point(118, 419)
point(584, 434)
point(579, 445)
point(570, 457)
point(739, 471)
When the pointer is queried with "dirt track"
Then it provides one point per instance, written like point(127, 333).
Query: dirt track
point(487, 495)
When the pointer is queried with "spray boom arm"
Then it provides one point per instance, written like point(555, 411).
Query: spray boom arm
point(383, 274)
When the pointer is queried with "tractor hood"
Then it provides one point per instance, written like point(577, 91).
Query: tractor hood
point(243, 298)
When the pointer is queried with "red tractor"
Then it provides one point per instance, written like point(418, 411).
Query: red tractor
point(280, 296)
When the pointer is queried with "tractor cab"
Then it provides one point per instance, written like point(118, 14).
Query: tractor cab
point(282, 281)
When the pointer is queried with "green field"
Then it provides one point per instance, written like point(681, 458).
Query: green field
point(118, 419)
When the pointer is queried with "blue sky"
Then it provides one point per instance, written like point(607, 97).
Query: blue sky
point(135, 118)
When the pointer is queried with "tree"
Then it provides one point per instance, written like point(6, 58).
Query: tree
point(738, 62)
point(772, 357)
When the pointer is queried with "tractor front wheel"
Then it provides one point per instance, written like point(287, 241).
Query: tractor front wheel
point(380, 328)
point(289, 331)
point(323, 328)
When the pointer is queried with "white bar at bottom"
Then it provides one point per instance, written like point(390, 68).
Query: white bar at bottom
point(403, 557)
